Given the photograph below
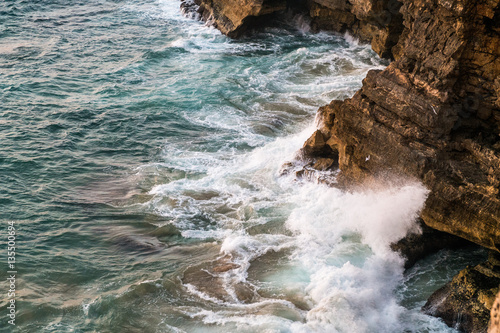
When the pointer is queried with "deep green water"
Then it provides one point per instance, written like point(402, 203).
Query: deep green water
point(136, 143)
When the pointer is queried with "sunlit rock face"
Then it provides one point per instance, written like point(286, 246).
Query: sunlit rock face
point(433, 114)
point(233, 17)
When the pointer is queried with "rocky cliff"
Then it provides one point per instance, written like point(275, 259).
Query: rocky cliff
point(433, 114)
point(378, 22)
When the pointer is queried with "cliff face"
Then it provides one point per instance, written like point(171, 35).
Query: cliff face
point(433, 114)
point(467, 300)
point(378, 22)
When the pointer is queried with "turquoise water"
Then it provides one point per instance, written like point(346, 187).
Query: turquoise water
point(139, 148)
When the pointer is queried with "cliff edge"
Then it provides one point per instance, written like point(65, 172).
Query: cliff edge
point(434, 114)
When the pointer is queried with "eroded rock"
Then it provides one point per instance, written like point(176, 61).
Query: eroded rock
point(423, 117)
point(433, 114)
point(316, 146)
point(378, 22)
point(466, 301)
point(233, 17)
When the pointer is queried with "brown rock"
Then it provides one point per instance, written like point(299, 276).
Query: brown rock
point(232, 17)
point(213, 278)
point(418, 246)
point(434, 114)
point(316, 146)
point(424, 117)
point(323, 164)
point(471, 294)
point(494, 326)
point(225, 267)
point(375, 21)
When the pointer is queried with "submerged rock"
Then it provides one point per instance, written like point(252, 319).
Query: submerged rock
point(218, 280)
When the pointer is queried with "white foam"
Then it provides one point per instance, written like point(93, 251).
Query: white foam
point(341, 239)
point(341, 265)
point(381, 216)
point(351, 297)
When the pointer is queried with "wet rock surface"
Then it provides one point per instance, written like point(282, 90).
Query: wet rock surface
point(425, 117)
point(417, 246)
point(433, 114)
point(233, 17)
point(378, 22)
point(466, 301)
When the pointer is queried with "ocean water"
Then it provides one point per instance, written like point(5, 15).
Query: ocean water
point(141, 160)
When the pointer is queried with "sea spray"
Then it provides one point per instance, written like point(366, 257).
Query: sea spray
point(340, 242)
point(353, 278)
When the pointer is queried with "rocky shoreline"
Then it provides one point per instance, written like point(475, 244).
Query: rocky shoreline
point(433, 115)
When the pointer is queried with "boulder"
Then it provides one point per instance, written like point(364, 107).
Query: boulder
point(466, 301)
point(316, 146)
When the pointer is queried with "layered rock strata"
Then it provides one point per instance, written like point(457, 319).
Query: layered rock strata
point(434, 114)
